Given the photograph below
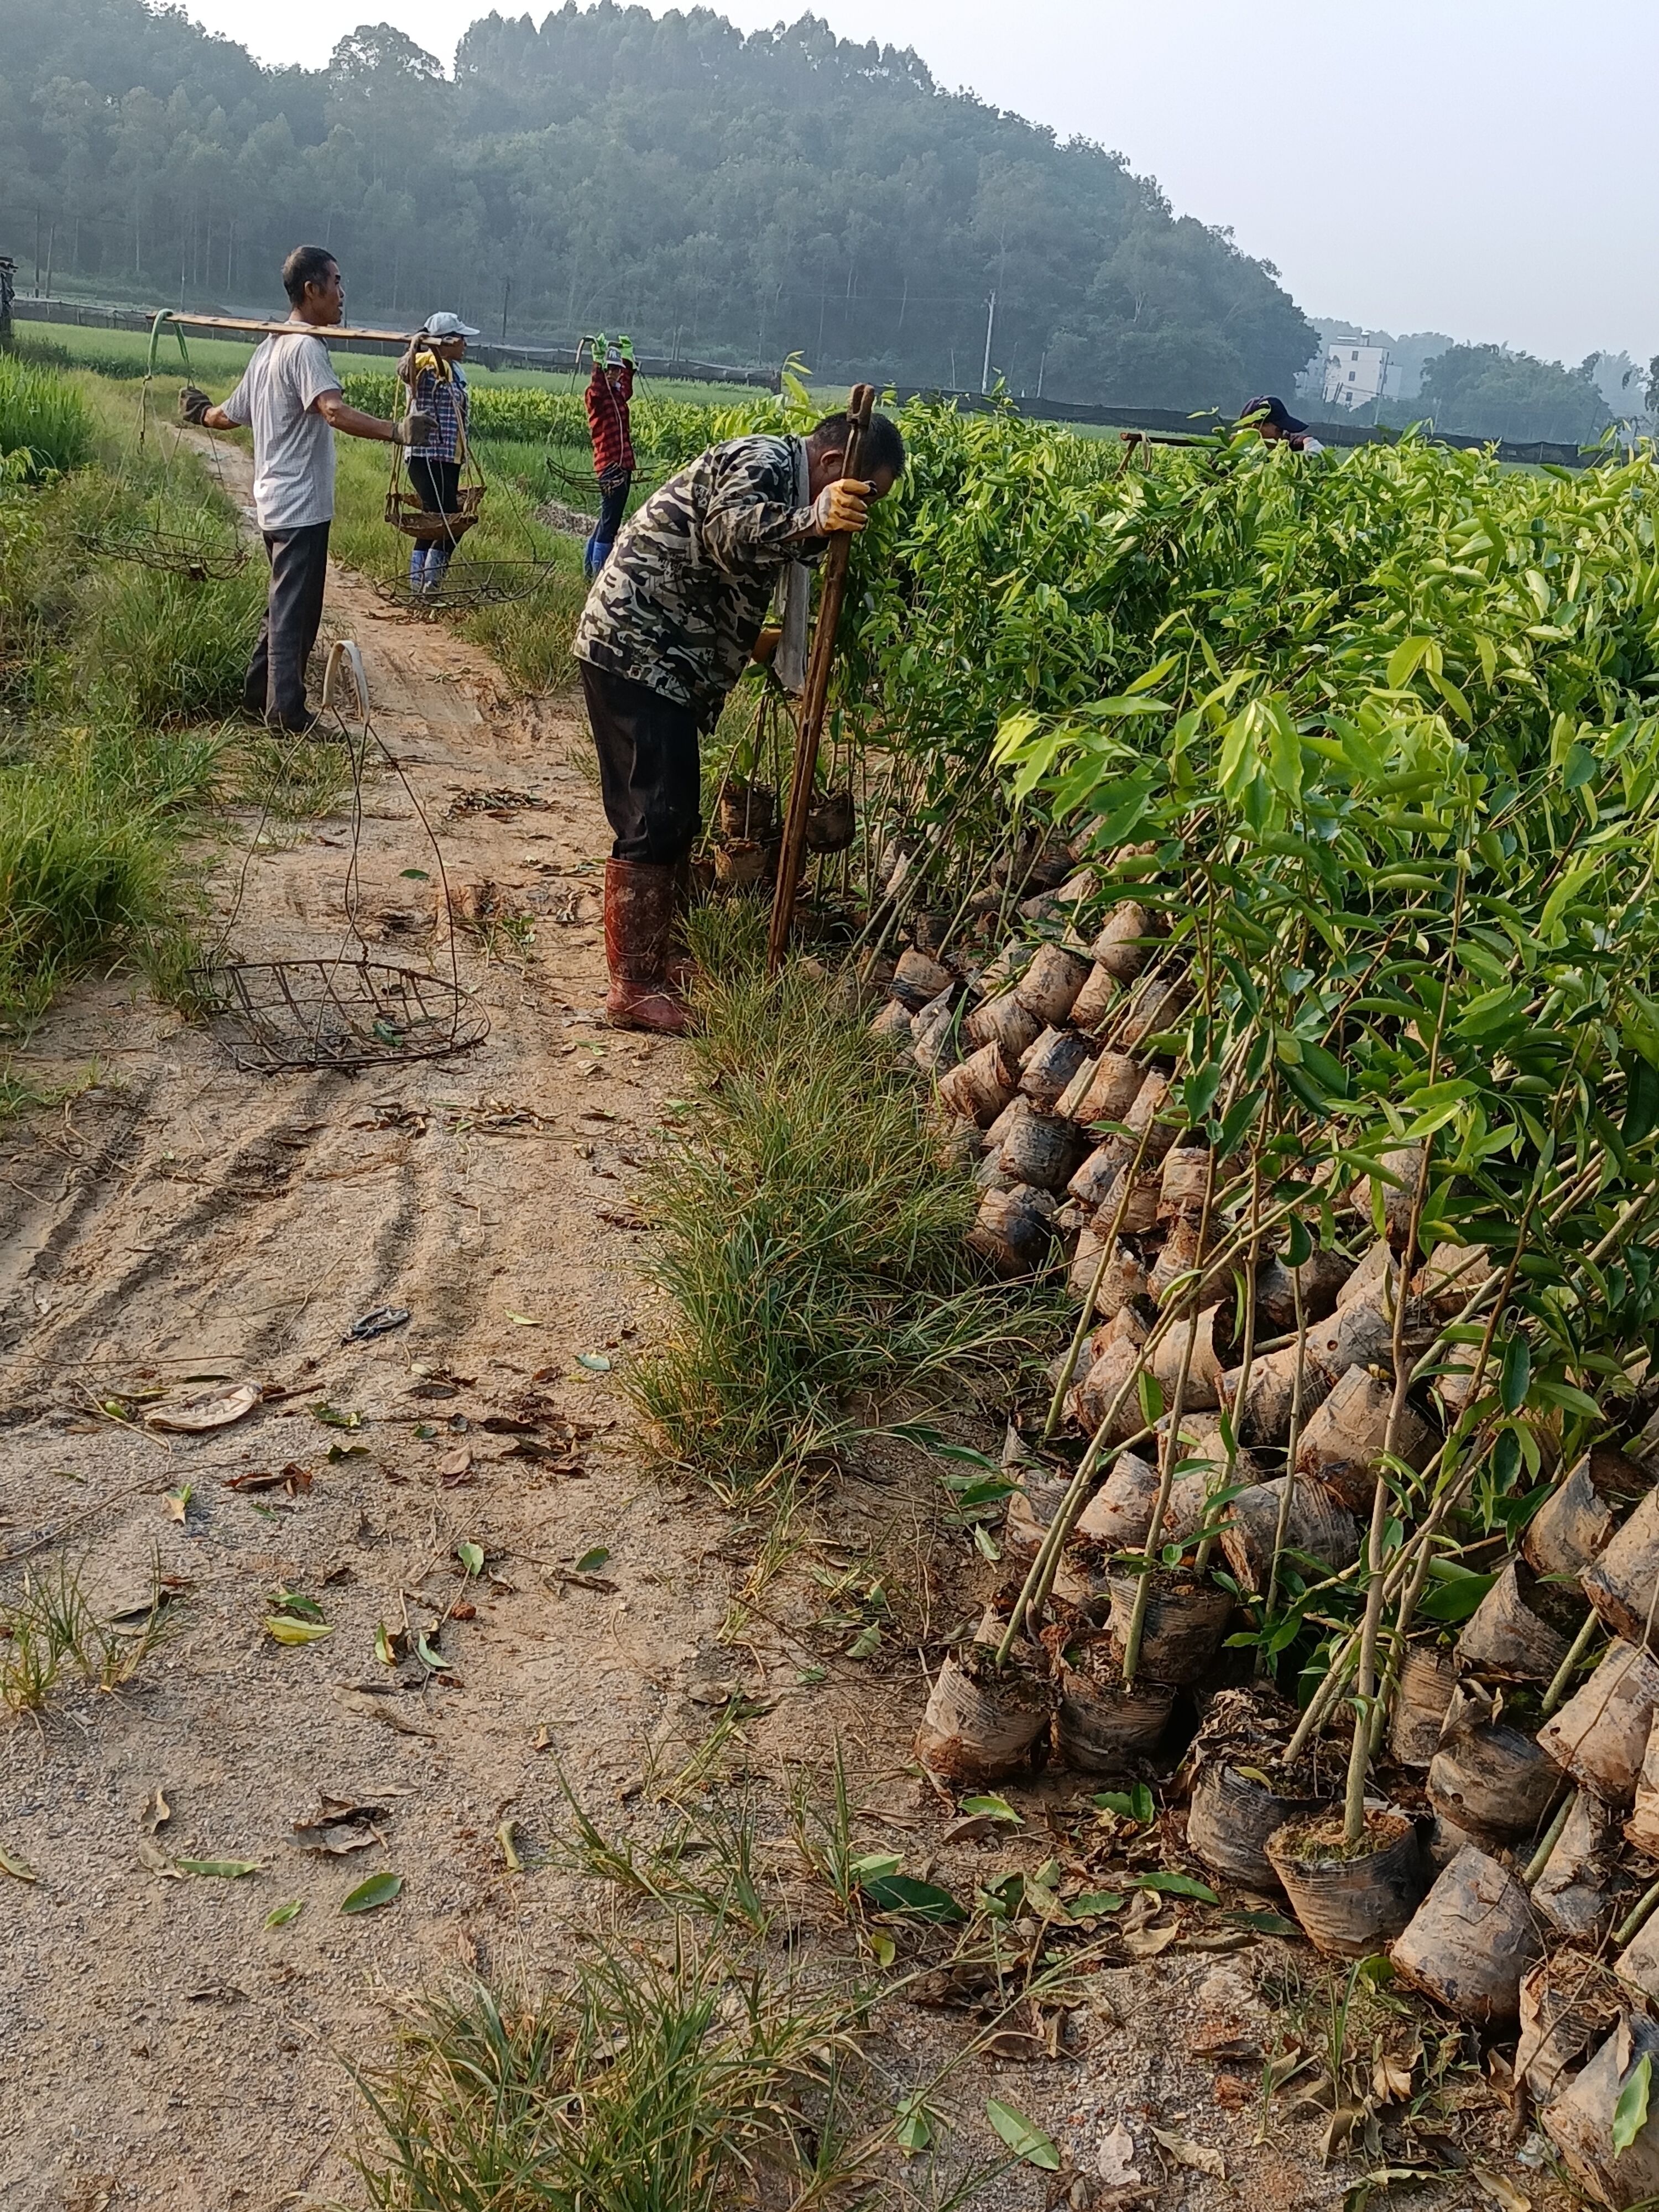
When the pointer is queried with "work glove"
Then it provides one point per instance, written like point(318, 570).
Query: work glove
point(415, 429)
point(193, 404)
point(841, 508)
point(625, 346)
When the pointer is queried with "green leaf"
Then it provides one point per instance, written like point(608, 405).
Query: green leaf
point(1134, 1804)
point(1516, 1374)
point(368, 1896)
point(914, 2130)
point(990, 1808)
point(221, 1869)
point(383, 1650)
point(1456, 1600)
point(1641, 1100)
point(866, 1643)
point(1264, 1924)
point(1175, 1884)
point(875, 1862)
point(882, 1949)
point(429, 1657)
point(1629, 2114)
point(595, 1362)
point(1407, 658)
point(472, 1556)
point(280, 1915)
point(590, 1559)
point(915, 1900)
point(296, 1631)
point(1022, 2136)
point(332, 1417)
point(1092, 1903)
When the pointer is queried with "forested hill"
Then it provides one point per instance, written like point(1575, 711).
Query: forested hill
point(730, 197)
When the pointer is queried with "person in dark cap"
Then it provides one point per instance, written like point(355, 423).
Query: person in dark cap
point(1273, 423)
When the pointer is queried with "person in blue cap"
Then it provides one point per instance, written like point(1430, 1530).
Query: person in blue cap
point(432, 370)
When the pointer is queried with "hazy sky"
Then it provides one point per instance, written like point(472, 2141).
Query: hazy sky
point(1466, 166)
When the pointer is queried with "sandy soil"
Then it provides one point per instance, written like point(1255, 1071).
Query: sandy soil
point(160, 2047)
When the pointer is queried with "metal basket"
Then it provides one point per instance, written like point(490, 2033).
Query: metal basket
point(468, 584)
point(174, 550)
point(277, 1015)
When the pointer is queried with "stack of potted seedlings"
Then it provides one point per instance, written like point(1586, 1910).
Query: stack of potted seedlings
point(1315, 1406)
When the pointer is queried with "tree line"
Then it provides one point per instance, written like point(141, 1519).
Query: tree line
point(722, 196)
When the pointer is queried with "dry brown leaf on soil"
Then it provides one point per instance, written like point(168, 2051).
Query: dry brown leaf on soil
point(155, 1860)
point(1197, 2155)
point(1503, 2194)
point(376, 1705)
point(156, 1812)
point(1391, 2077)
point(213, 1409)
point(1116, 2161)
point(1143, 1943)
point(339, 1826)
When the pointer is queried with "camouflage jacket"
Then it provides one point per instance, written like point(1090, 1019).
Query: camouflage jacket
point(679, 603)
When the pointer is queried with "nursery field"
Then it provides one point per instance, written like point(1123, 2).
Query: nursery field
point(1026, 1574)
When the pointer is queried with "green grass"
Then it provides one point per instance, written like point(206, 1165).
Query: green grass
point(44, 418)
point(812, 1232)
point(666, 2078)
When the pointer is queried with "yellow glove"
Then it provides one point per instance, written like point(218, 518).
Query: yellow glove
point(842, 508)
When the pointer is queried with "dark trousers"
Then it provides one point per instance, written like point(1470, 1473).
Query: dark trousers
point(437, 483)
point(276, 683)
point(648, 767)
point(613, 505)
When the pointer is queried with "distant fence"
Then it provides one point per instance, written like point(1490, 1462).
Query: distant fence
point(84, 315)
point(1166, 421)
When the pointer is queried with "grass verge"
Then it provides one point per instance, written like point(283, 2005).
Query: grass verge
point(811, 1231)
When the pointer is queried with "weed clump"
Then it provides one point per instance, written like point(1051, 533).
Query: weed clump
point(811, 1230)
point(44, 420)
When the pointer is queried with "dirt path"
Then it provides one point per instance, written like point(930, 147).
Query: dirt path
point(158, 2047)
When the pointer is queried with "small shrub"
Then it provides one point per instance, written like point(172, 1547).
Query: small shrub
point(812, 1233)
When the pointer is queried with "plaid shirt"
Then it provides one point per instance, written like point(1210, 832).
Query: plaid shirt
point(607, 421)
point(441, 391)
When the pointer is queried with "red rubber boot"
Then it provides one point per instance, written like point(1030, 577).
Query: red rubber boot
point(639, 921)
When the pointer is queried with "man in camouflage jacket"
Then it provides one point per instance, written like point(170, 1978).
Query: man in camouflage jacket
point(670, 622)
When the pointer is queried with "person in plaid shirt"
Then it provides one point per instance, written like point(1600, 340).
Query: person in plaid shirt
point(432, 369)
point(610, 391)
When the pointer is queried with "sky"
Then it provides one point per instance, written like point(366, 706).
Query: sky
point(1464, 166)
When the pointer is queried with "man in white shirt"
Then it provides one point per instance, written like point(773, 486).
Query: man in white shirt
point(291, 396)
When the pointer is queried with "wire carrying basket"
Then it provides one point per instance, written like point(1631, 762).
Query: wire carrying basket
point(343, 1011)
point(207, 547)
point(276, 1016)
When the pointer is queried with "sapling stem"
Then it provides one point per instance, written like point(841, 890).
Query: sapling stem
point(1166, 1469)
point(1540, 1857)
point(1293, 1445)
point(1638, 1919)
point(1080, 1335)
point(1252, 1263)
point(1564, 1673)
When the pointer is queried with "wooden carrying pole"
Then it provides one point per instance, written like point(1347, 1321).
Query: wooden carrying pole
point(335, 333)
point(816, 697)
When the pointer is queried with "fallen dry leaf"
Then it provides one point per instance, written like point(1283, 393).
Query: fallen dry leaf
point(1391, 2079)
point(1502, 2193)
point(1197, 2155)
point(214, 1409)
point(156, 1811)
point(377, 1707)
point(1147, 1942)
point(340, 1824)
point(1115, 2160)
point(151, 1855)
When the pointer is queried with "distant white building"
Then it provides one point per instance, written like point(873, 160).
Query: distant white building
point(1355, 373)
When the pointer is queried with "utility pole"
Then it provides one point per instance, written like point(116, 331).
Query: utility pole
point(51, 240)
point(990, 324)
point(506, 293)
point(1041, 365)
